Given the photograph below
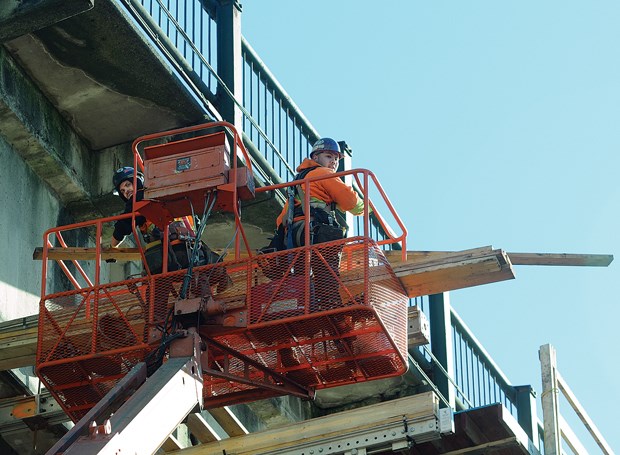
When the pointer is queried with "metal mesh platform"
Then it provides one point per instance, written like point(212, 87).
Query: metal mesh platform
point(302, 319)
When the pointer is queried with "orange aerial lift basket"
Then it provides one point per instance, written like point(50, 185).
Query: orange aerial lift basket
point(287, 322)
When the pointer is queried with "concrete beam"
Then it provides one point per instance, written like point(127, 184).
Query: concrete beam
point(40, 135)
point(20, 17)
point(106, 77)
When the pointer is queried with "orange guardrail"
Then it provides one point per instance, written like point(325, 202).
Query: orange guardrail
point(287, 322)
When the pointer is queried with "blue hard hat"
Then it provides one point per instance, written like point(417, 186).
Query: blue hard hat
point(122, 174)
point(326, 144)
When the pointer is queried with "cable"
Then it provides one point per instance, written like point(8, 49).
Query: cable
point(209, 204)
point(428, 380)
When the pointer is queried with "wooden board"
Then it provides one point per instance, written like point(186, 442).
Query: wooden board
point(548, 259)
point(434, 272)
point(88, 254)
point(338, 426)
point(564, 259)
point(18, 343)
point(228, 421)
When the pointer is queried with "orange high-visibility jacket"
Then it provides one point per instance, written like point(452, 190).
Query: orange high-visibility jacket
point(328, 191)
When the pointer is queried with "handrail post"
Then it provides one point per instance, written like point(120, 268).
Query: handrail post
point(550, 400)
point(441, 342)
point(230, 60)
point(526, 412)
point(346, 164)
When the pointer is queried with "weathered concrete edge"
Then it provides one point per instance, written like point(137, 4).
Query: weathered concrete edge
point(19, 18)
point(37, 131)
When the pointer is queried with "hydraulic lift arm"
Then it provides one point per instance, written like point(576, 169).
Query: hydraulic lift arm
point(155, 407)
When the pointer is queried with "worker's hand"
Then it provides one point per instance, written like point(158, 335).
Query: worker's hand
point(107, 246)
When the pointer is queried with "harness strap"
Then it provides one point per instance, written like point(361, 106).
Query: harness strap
point(290, 213)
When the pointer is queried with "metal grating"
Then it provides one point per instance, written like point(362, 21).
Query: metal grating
point(322, 316)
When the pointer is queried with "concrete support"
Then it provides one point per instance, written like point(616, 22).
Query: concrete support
point(441, 342)
point(229, 60)
point(39, 134)
point(27, 208)
point(20, 17)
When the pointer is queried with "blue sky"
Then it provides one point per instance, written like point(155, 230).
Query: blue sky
point(488, 123)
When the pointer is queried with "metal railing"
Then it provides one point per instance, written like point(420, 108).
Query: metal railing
point(480, 381)
point(276, 115)
point(477, 381)
point(191, 29)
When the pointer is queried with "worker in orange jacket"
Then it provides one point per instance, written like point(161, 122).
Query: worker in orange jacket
point(326, 196)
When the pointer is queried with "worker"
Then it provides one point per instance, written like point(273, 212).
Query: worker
point(123, 188)
point(181, 229)
point(181, 233)
point(326, 197)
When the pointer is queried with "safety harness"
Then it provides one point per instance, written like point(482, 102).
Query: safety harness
point(322, 215)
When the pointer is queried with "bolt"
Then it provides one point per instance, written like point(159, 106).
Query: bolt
point(393, 433)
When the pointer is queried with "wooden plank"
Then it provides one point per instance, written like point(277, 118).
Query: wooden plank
point(562, 259)
point(228, 421)
point(120, 254)
point(340, 425)
point(201, 429)
point(550, 259)
point(550, 400)
point(583, 415)
point(453, 271)
point(171, 444)
point(133, 254)
point(418, 330)
point(395, 256)
point(487, 447)
point(18, 342)
point(87, 254)
point(569, 436)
